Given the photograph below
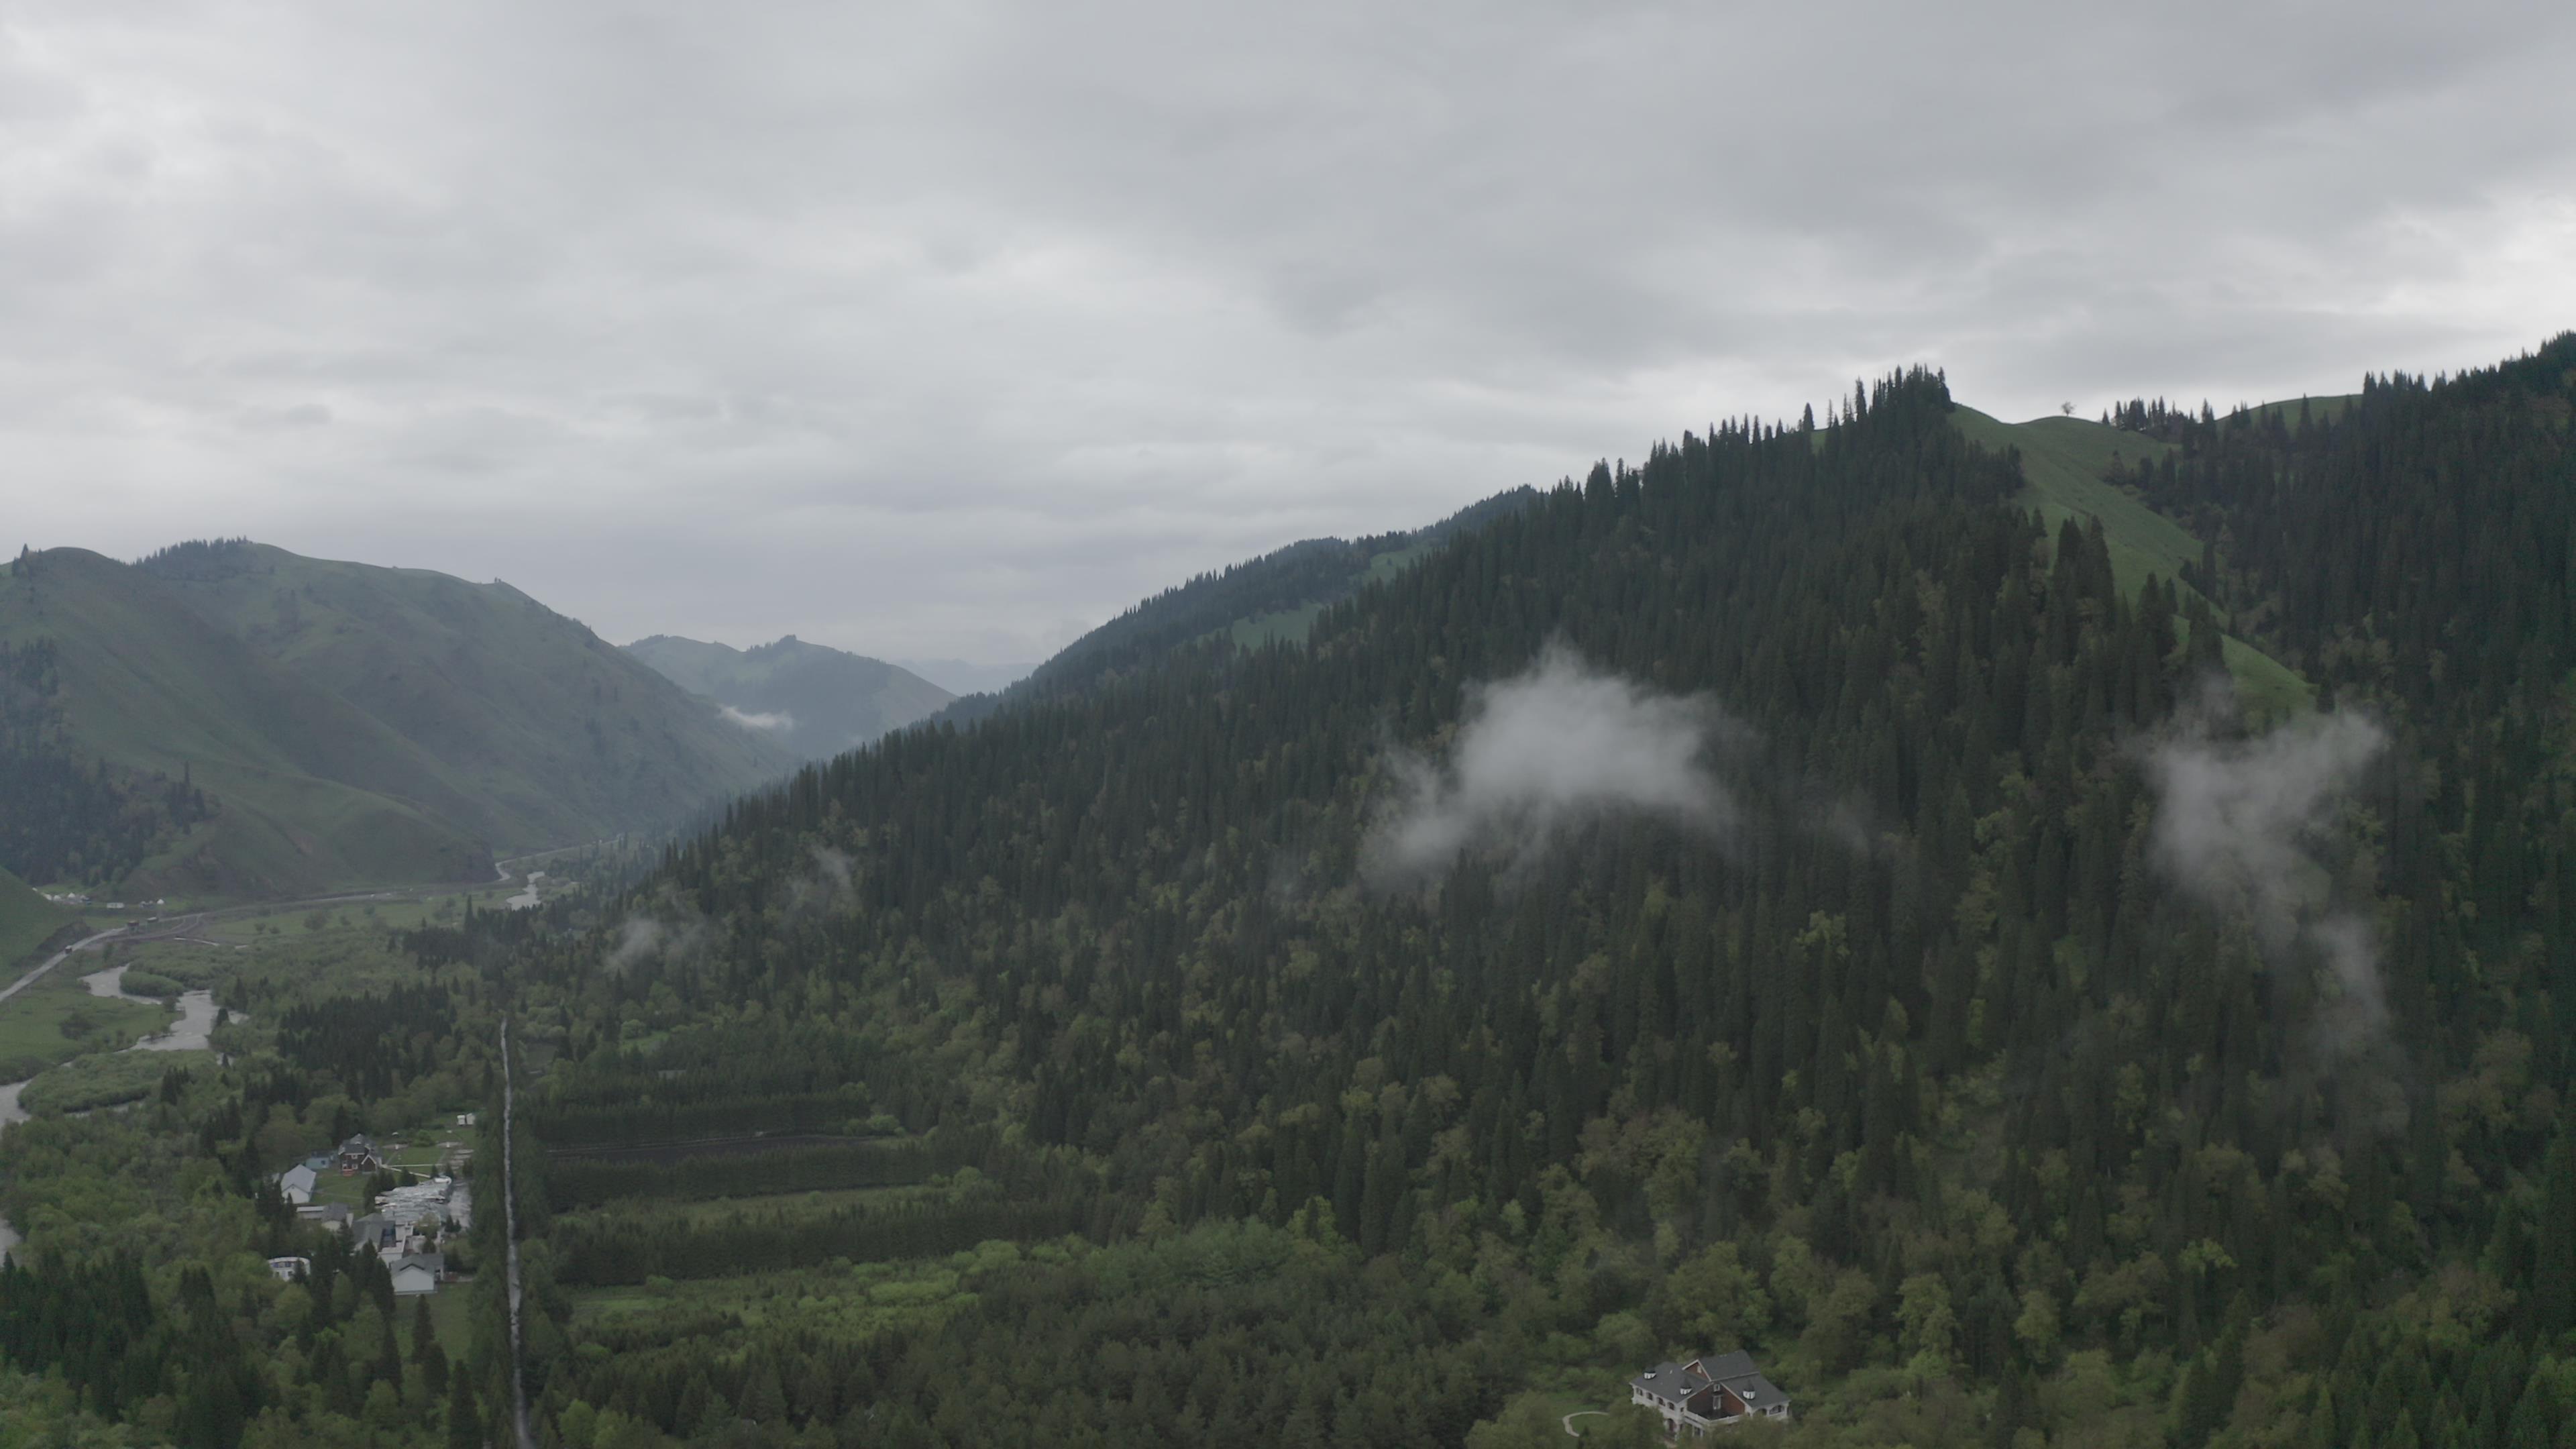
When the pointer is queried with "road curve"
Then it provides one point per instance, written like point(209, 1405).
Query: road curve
point(1572, 1432)
point(56, 959)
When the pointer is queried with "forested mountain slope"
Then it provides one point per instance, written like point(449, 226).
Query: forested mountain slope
point(812, 700)
point(1788, 896)
point(1275, 596)
point(234, 718)
point(1961, 1012)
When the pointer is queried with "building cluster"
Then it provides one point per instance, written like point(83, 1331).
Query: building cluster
point(404, 1226)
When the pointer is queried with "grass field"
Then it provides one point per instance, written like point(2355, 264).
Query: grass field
point(27, 920)
point(360, 725)
point(2062, 462)
point(451, 1321)
point(838, 1297)
point(1294, 624)
point(1297, 623)
point(2063, 459)
point(663, 1212)
point(2321, 409)
point(401, 914)
point(57, 1019)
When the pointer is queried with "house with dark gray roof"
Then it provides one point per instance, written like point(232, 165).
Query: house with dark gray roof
point(335, 1216)
point(1705, 1393)
point(417, 1273)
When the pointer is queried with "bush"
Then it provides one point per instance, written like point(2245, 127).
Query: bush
point(151, 983)
point(84, 1083)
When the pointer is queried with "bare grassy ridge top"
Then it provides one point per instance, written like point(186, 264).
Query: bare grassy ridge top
point(2063, 462)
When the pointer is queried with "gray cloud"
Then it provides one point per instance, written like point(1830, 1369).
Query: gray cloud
point(1554, 748)
point(642, 938)
point(769, 723)
point(2248, 827)
point(947, 330)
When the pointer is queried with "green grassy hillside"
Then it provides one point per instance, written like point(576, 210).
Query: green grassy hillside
point(2317, 409)
point(547, 734)
point(310, 793)
point(817, 701)
point(348, 724)
point(27, 920)
point(2063, 460)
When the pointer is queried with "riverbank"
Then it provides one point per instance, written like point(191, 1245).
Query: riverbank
point(193, 1031)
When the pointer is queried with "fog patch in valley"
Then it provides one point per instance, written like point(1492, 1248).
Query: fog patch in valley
point(778, 722)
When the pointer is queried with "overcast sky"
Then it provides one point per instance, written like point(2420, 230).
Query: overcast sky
point(953, 329)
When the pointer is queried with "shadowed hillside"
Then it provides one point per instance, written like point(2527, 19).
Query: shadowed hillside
point(236, 719)
point(812, 700)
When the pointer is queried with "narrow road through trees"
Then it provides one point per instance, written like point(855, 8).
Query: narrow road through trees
point(510, 1226)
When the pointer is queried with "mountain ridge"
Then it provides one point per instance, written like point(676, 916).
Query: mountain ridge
point(278, 723)
point(814, 700)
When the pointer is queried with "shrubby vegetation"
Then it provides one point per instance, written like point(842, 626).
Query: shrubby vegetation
point(105, 1079)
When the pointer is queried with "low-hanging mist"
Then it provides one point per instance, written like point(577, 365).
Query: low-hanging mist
point(2244, 826)
point(1556, 747)
point(772, 723)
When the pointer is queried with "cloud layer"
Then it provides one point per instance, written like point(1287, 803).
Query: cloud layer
point(1556, 747)
point(949, 329)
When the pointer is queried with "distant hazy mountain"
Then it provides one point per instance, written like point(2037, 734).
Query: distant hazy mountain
point(957, 676)
point(269, 723)
point(26, 921)
point(1277, 596)
point(813, 700)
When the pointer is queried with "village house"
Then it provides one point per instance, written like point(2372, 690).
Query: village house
point(377, 1232)
point(330, 1216)
point(296, 1183)
point(358, 1155)
point(290, 1269)
point(1705, 1393)
point(418, 1273)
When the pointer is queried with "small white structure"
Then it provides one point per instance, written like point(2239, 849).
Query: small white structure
point(290, 1269)
point(297, 1183)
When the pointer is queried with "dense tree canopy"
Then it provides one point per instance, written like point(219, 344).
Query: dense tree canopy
point(1083, 1076)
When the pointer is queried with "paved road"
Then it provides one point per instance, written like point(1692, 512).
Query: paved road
point(510, 1227)
point(58, 958)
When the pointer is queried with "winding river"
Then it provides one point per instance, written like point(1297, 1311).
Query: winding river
point(189, 1033)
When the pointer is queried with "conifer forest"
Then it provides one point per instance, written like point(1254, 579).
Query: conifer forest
point(1796, 893)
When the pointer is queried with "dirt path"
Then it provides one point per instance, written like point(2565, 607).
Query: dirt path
point(1572, 1432)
